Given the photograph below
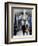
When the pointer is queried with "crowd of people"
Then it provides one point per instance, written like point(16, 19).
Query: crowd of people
point(23, 24)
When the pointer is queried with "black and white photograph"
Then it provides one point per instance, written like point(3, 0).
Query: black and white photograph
point(21, 22)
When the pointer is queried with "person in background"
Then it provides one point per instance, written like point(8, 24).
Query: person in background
point(29, 13)
point(30, 22)
point(20, 32)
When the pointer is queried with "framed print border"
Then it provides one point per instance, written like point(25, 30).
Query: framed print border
point(7, 22)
